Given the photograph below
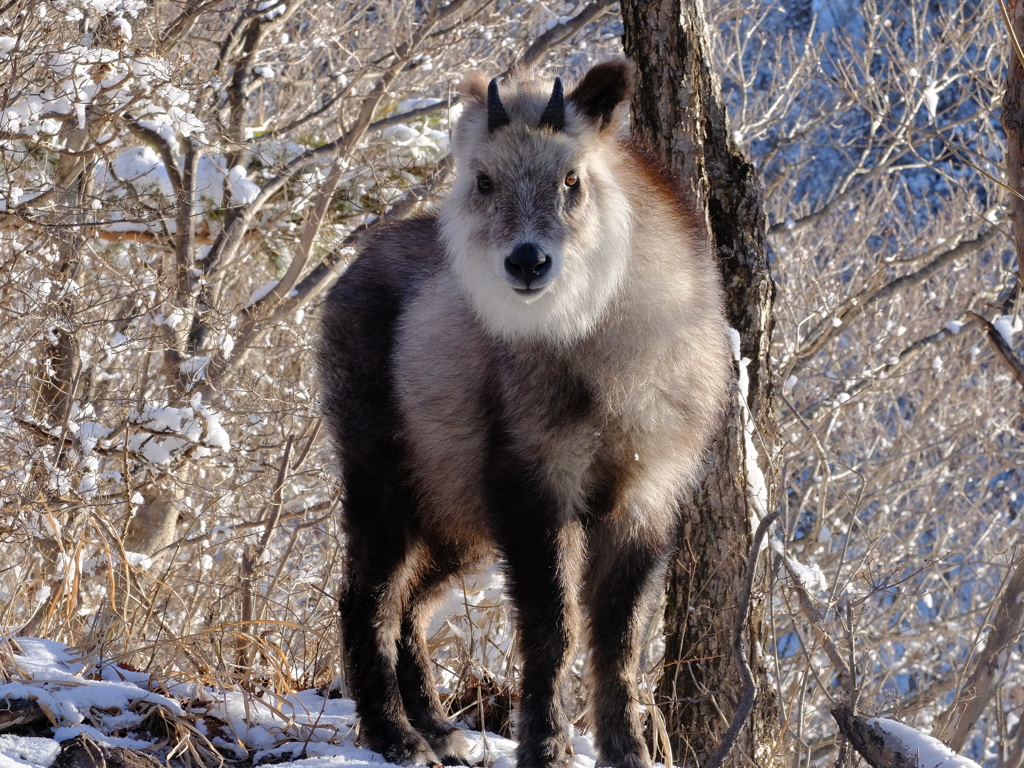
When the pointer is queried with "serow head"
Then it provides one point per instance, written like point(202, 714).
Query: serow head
point(536, 223)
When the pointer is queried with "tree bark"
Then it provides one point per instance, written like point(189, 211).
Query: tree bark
point(678, 110)
point(1013, 126)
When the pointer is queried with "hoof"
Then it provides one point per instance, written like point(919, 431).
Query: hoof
point(627, 761)
point(411, 754)
point(547, 753)
point(403, 749)
point(452, 748)
point(627, 753)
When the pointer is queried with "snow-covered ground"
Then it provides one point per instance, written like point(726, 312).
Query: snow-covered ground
point(116, 707)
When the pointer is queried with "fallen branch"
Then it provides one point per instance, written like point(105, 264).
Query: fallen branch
point(83, 752)
point(18, 713)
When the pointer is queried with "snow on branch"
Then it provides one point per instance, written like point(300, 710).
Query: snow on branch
point(888, 744)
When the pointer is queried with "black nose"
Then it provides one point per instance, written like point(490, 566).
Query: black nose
point(527, 263)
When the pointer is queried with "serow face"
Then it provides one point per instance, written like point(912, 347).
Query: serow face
point(526, 206)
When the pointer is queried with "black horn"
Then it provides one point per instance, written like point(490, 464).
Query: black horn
point(496, 115)
point(554, 112)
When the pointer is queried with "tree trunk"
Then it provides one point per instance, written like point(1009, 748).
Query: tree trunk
point(678, 110)
point(1013, 126)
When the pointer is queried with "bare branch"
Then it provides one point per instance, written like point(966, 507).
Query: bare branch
point(231, 236)
point(904, 359)
point(182, 24)
point(990, 664)
point(856, 306)
point(877, 747)
point(260, 316)
point(160, 144)
point(1003, 350)
point(561, 32)
point(815, 617)
point(545, 42)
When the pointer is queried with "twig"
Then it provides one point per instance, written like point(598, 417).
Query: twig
point(309, 443)
point(275, 509)
point(252, 559)
point(746, 704)
point(299, 514)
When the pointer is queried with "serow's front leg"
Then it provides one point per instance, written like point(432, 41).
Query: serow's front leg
point(542, 556)
point(624, 579)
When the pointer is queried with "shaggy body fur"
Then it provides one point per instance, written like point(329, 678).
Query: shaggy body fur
point(554, 422)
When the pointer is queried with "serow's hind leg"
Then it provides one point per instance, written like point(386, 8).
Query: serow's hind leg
point(380, 565)
point(622, 585)
point(419, 692)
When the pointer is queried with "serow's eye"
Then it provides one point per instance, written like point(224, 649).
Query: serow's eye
point(571, 179)
point(484, 184)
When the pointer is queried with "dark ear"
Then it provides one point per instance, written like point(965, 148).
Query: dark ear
point(602, 89)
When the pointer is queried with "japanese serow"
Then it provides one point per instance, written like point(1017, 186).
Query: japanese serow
point(534, 373)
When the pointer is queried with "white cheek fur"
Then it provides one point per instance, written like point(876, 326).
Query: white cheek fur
point(588, 269)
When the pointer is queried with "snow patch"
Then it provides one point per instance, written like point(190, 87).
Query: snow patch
point(1007, 325)
point(811, 577)
point(28, 750)
point(242, 190)
point(122, 28)
point(261, 292)
point(757, 488)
